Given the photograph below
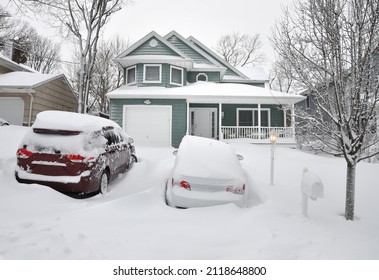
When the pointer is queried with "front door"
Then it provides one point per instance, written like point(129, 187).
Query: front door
point(203, 122)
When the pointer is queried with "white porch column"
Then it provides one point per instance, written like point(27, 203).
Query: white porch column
point(188, 119)
point(293, 119)
point(221, 135)
point(259, 120)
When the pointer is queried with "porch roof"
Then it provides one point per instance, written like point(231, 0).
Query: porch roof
point(207, 92)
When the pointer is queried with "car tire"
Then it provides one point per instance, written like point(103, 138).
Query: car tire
point(134, 158)
point(104, 183)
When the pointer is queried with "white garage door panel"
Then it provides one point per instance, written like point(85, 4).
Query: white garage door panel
point(148, 125)
point(12, 109)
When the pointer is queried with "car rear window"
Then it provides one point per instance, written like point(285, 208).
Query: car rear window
point(64, 142)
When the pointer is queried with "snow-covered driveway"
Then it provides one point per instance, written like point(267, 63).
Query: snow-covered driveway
point(133, 222)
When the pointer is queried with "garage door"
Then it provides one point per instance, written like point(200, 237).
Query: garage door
point(148, 125)
point(12, 109)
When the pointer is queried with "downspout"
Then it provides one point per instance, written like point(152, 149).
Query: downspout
point(30, 107)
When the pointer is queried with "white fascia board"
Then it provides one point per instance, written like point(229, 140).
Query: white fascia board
point(146, 38)
point(153, 59)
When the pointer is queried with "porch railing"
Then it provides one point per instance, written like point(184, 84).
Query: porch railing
point(255, 133)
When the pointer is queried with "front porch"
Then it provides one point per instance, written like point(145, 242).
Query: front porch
point(256, 134)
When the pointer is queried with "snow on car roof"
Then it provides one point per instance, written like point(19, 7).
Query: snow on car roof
point(206, 158)
point(70, 121)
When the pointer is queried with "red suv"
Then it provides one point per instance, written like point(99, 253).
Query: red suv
point(73, 153)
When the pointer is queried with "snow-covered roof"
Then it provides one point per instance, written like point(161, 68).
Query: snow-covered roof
point(146, 38)
point(256, 73)
point(205, 92)
point(175, 60)
point(25, 79)
point(10, 64)
point(70, 121)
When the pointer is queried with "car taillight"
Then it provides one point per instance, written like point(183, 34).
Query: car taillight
point(23, 153)
point(236, 190)
point(185, 185)
point(79, 158)
point(75, 158)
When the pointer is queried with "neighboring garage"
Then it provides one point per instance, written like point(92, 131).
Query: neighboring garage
point(148, 125)
point(12, 109)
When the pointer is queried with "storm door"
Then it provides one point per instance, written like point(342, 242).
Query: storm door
point(203, 122)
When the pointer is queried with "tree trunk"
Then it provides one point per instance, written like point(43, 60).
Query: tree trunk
point(350, 191)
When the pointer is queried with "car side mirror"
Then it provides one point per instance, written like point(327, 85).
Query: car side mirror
point(175, 152)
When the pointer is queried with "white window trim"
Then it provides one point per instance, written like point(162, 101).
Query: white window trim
point(177, 68)
point(160, 73)
point(252, 112)
point(135, 75)
point(206, 77)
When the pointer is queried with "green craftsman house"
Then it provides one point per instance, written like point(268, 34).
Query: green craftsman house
point(175, 86)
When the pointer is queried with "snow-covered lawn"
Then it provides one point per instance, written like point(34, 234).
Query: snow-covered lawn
point(133, 222)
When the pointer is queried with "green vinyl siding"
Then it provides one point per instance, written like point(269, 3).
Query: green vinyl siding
point(188, 51)
point(178, 118)
point(229, 71)
point(146, 49)
point(165, 78)
point(212, 76)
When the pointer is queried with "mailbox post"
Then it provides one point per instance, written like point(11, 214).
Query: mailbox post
point(311, 188)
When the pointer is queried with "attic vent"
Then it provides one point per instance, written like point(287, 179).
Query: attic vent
point(153, 43)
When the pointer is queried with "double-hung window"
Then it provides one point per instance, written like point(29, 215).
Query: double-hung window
point(152, 73)
point(131, 75)
point(176, 76)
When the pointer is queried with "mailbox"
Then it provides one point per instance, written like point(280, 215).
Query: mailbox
point(311, 185)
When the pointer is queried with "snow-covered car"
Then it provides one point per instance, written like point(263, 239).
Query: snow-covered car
point(206, 172)
point(73, 153)
point(3, 122)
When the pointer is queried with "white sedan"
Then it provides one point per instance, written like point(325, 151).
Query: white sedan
point(206, 172)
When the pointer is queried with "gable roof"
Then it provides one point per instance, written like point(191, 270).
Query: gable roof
point(131, 55)
point(187, 53)
point(25, 81)
point(232, 70)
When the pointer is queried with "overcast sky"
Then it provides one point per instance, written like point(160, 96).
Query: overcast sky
point(206, 20)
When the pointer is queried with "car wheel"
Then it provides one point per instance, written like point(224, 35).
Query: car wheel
point(104, 186)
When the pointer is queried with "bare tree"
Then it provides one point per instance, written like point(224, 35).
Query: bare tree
point(281, 77)
point(331, 46)
point(5, 25)
point(240, 50)
point(106, 75)
point(44, 55)
point(82, 19)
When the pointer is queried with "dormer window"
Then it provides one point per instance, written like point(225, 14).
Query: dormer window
point(176, 76)
point(152, 73)
point(131, 75)
point(201, 77)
